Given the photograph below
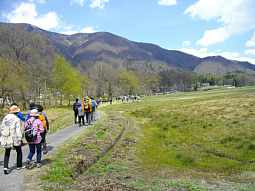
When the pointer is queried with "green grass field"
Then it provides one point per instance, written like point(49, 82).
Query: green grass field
point(203, 135)
point(59, 118)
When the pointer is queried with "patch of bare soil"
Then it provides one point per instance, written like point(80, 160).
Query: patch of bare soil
point(94, 184)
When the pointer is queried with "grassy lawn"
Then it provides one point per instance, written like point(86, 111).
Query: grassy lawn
point(59, 118)
point(204, 135)
point(207, 131)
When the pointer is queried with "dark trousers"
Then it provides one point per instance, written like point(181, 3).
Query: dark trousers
point(44, 139)
point(75, 116)
point(81, 118)
point(7, 156)
point(88, 117)
point(43, 136)
point(38, 148)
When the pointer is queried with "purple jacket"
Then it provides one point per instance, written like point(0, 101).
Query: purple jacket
point(37, 125)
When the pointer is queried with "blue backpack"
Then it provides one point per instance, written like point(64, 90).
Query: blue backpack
point(93, 103)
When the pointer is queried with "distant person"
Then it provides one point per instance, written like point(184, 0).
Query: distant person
point(44, 119)
point(94, 106)
point(81, 115)
point(75, 109)
point(88, 109)
point(11, 137)
point(98, 101)
point(33, 134)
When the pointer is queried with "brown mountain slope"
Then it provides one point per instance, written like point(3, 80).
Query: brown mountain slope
point(89, 50)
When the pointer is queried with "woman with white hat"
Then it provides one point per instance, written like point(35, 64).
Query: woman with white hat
point(11, 136)
point(35, 145)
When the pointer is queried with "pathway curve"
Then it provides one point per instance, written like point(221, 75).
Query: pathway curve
point(14, 180)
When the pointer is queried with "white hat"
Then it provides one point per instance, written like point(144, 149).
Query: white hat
point(34, 113)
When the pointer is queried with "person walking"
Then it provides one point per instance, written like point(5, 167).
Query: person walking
point(94, 105)
point(11, 137)
point(33, 130)
point(81, 114)
point(75, 109)
point(44, 119)
point(88, 109)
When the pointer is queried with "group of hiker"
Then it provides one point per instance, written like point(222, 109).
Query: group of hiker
point(85, 109)
point(18, 129)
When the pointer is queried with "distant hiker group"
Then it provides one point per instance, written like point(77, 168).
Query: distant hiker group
point(85, 109)
point(17, 129)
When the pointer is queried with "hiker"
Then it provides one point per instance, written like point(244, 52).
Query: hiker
point(75, 109)
point(11, 137)
point(33, 130)
point(98, 101)
point(88, 109)
point(81, 114)
point(43, 118)
point(31, 106)
point(94, 105)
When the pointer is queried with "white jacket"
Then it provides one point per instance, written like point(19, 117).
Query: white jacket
point(10, 131)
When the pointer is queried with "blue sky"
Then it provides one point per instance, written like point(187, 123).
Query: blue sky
point(199, 27)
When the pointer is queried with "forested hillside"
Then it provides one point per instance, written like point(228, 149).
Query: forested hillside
point(37, 64)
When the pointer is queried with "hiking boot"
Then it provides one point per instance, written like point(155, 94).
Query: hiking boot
point(29, 164)
point(7, 171)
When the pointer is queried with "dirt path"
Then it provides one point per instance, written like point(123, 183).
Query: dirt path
point(14, 180)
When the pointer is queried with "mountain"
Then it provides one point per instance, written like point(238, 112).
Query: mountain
point(220, 65)
point(86, 51)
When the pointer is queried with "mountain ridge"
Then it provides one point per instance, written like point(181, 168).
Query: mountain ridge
point(86, 50)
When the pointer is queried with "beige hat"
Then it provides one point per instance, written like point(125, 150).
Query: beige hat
point(34, 113)
point(14, 109)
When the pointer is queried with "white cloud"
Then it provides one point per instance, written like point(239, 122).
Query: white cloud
point(88, 29)
point(234, 17)
point(78, 2)
point(213, 36)
point(27, 13)
point(186, 43)
point(251, 43)
point(167, 2)
point(98, 3)
point(38, 1)
point(69, 30)
point(204, 52)
point(201, 52)
point(250, 52)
